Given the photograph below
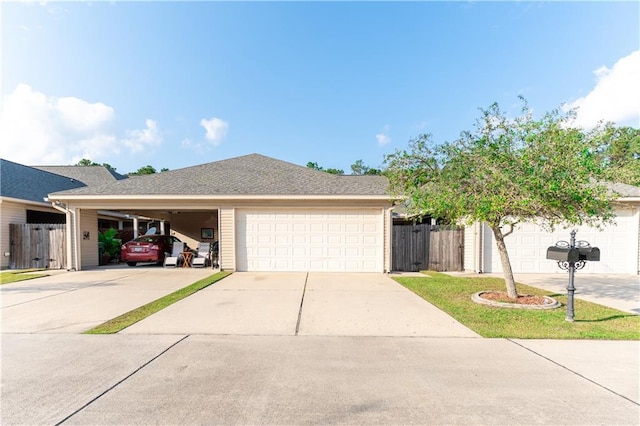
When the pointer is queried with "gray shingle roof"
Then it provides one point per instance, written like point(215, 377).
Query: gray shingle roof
point(89, 175)
point(624, 190)
point(250, 175)
point(31, 184)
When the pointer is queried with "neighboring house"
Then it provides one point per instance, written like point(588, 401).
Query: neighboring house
point(267, 214)
point(23, 190)
point(619, 243)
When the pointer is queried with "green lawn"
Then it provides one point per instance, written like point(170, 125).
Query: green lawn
point(125, 320)
point(453, 295)
point(7, 277)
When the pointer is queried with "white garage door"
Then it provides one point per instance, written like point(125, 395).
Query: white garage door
point(315, 240)
point(618, 245)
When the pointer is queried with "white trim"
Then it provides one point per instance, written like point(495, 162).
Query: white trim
point(22, 201)
point(218, 197)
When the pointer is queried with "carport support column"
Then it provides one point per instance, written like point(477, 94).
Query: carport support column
point(162, 227)
point(135, 227)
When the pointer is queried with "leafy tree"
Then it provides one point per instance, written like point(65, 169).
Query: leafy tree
point(315, 166)
point(164, 169)
point(359, 168)
point(145, 170)
point(87, 162)
point(621, 153)
point(505, 172)
point(334, 171)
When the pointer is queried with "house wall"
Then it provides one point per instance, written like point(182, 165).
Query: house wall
point(88, 246)
point(14, 212)
point(10, 213)
point(187, 226)
point(472, 242)
point(227, 253)
point(388, 249)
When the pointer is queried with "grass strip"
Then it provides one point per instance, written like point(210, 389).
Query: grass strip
point(453, 296)
point(123, 321)
point(7, 277)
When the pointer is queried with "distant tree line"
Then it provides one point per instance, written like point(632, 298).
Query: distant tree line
point(144, 170)
point(357, 168)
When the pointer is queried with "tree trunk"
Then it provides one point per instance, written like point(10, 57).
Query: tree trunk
point(506, 264)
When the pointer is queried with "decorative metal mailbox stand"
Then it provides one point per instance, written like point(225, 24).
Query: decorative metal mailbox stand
point(572, 256)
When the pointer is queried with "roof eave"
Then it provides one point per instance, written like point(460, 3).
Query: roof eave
point(23, 201)
point(72, 197)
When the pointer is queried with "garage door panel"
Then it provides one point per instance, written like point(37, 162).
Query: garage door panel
point(527, 247)
point(309, 241)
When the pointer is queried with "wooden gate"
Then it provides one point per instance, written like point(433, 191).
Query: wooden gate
point(446, 249)
point(37, 245)
point(422, 246)
point(410, 247)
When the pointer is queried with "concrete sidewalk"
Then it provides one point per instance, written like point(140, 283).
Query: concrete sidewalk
point(205, 379)
point(74, 302)
point(319, 304)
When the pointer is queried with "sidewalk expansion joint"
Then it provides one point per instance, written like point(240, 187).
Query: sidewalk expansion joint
point(304, 290)
point(576, 373)
point(120, 381)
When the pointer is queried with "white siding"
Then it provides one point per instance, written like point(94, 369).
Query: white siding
point(89, 246)
point(470, 248)
point(227, 242)
point(9, 213)
point(388, 224)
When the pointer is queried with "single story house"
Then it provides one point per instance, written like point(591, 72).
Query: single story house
point(619, 243)
point(267, 214)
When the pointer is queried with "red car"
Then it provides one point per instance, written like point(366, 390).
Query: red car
point(147, 248)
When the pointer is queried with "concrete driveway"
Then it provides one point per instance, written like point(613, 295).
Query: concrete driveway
point(288, 349)
point(620, 291)
point(318, 304)
point(73, 302)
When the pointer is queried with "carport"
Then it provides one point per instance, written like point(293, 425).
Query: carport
point(266, 214)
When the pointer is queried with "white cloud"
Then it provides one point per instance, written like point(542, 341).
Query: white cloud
point(616, 96)
point(138, 140)
point(216, 130)
point(40, 129)
point(383, 137)
point(82, 116)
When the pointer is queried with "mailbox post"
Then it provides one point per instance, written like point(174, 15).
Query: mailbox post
point(572, 256)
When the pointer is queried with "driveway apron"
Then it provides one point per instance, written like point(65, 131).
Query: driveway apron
point(243, 303)
point(321, 304)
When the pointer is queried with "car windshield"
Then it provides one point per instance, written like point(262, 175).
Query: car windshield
point(147, 239)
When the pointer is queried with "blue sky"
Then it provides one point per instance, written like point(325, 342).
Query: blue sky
point(174, 84)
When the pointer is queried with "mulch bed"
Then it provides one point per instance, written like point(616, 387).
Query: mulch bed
point(526, 299)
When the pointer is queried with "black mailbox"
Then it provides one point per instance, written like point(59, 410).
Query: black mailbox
point(563, 254)
point(591, 254)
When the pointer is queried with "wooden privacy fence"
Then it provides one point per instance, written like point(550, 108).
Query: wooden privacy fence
point(37, 245)
point(427, 247)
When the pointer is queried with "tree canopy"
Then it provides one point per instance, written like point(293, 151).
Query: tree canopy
point(146, 170)
point(357, 168)
point(315, 166)
point(507, 171)
point(620, 152)
point(88, 162)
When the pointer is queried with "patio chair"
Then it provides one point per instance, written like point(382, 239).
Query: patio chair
point(172, 260)
point(203, 255)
